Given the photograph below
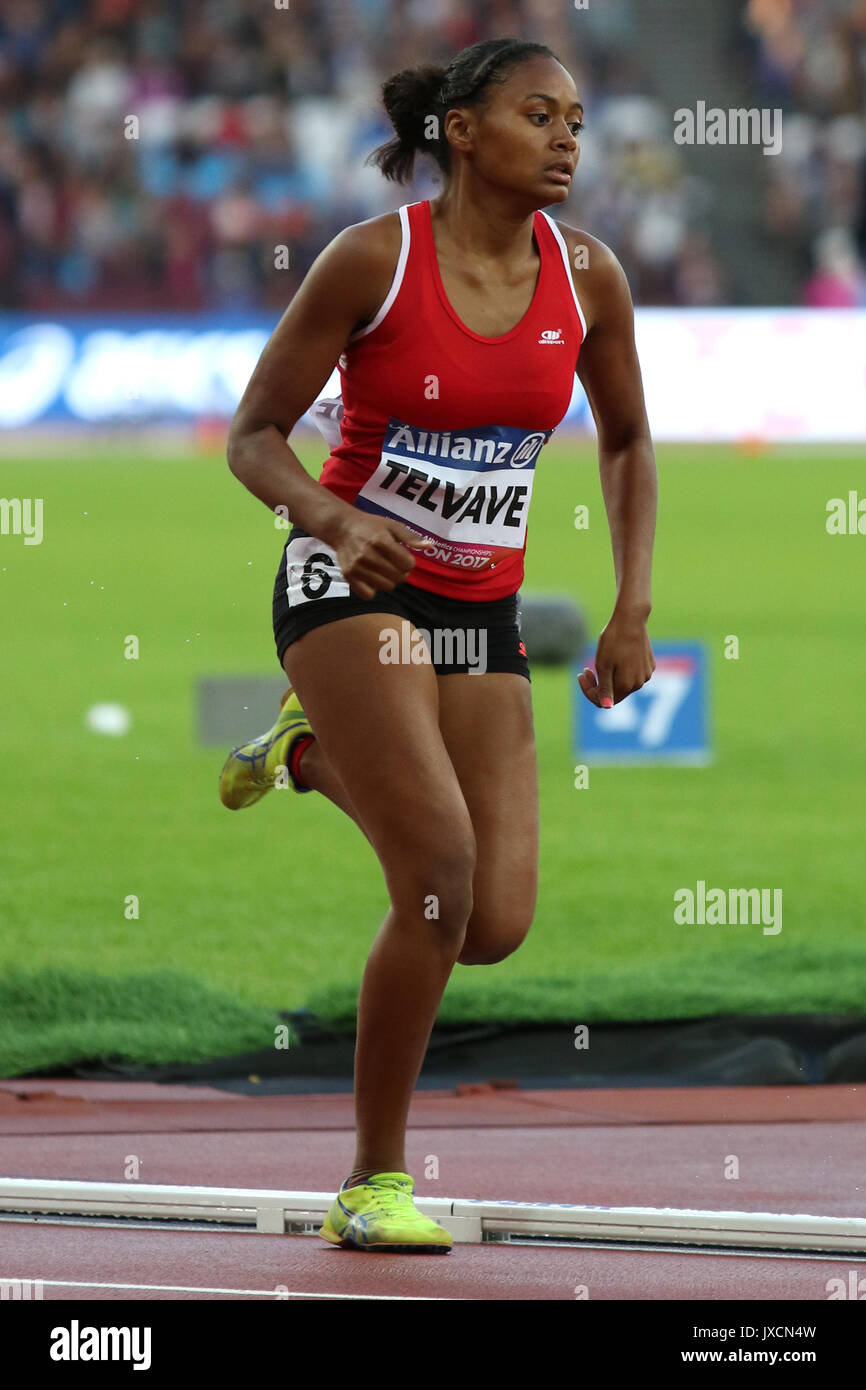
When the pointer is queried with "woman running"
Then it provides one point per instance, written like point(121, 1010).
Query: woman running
point(395, 605)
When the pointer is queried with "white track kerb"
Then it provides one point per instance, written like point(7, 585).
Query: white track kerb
point(468, 1221)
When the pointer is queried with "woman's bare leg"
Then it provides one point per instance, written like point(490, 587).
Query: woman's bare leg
point(390, 759)
point(316, 771)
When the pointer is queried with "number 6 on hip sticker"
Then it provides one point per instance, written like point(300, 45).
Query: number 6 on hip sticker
point(312, 572)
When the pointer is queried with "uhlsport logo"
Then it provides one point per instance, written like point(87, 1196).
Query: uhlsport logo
point(552, 337)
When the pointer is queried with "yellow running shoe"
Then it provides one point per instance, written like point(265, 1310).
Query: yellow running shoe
point(380, 1215)
point(251, 770)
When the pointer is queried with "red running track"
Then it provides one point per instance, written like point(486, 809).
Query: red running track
point(797, 1150)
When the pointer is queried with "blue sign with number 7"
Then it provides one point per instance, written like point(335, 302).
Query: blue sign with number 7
point(664, 722)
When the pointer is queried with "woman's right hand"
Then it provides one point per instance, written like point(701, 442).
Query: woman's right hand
point(372, 551)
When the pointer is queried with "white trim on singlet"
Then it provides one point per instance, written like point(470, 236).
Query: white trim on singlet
point(398, 275)
point(564, 249)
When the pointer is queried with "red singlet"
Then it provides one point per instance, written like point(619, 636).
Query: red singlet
point(442, 427)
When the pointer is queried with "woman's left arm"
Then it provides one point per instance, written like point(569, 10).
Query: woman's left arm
point(609, 370)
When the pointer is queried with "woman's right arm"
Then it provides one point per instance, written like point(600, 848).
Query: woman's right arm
point(344, 287)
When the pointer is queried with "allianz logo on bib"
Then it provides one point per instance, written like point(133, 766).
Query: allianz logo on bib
point(552, 337)
point(490, 446)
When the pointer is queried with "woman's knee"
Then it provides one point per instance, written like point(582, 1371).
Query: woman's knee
point(434, 884)
point(491, 938)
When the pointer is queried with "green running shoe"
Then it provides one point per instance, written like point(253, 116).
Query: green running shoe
point(380, 1215)
point(251, 770)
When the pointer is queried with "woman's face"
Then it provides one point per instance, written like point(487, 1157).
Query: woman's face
point(529, 125)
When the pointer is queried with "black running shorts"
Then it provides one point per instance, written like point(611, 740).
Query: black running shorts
point(459, 635)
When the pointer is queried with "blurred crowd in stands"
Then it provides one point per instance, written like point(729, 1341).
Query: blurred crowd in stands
point(158, 153)
point(810, 60)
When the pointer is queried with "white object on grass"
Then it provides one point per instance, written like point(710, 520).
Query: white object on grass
point(109, 719)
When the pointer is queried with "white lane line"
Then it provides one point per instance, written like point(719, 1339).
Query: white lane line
point(194, 1288)
point(737, 1252)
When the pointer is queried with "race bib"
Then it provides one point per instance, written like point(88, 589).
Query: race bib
point(469, 490)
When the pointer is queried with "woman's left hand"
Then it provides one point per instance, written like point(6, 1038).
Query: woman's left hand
point(624, 662)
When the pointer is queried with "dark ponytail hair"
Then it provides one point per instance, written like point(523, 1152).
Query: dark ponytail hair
point(415, 95)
